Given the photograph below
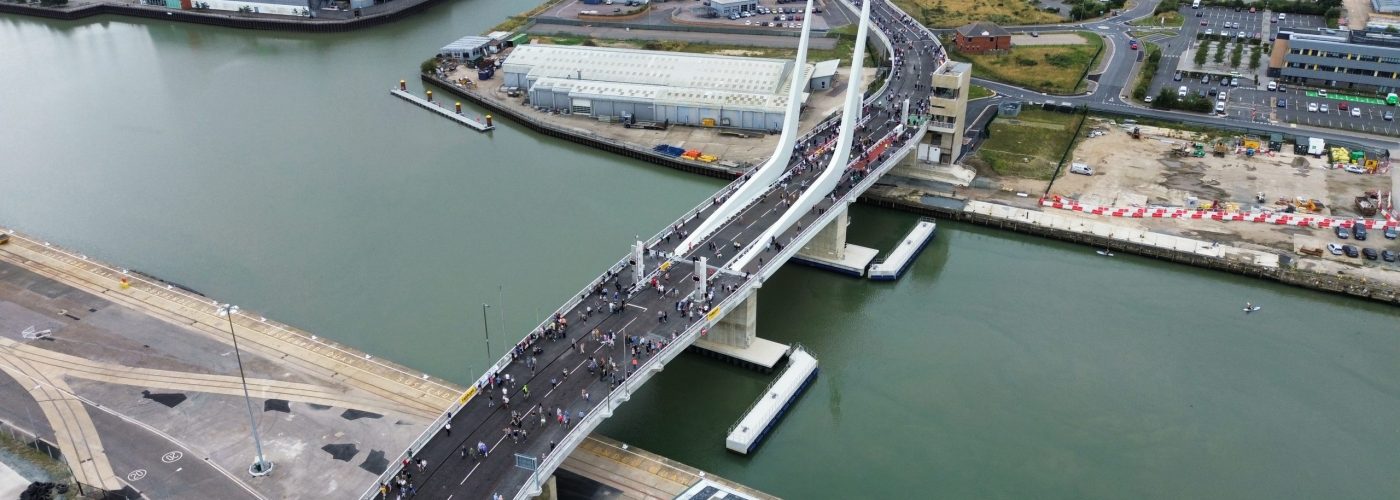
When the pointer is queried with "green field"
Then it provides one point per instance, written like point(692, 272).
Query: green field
point(1172, 19)
point(1055, 69)
point(954, 13)
point(978, 92)
point(1029, 145)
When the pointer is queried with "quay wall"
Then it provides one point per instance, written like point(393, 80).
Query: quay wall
point(1345, 285)
point(228, 20)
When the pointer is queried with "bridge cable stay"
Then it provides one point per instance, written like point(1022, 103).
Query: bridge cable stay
point(768, 173)
point(827, 181)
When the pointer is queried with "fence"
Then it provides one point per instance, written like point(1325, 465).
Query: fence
point(41, 445)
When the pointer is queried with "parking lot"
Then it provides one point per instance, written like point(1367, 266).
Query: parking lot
point(1251, 101)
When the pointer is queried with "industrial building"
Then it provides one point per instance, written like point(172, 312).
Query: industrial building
point(725, 8)
point(655, 86)
point(823, 75)
point(943, 141)
point(1350, 59)
point(280, 7)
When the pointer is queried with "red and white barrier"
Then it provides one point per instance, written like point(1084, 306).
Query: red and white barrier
point(1265, 217)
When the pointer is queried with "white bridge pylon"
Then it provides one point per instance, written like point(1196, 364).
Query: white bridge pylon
point(768, 173)
point(827, 181)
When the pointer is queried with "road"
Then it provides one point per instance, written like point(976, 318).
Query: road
point(1112, 95)
point(483, 420)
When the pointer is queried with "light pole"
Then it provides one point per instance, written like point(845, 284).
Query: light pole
point(261, 467)
point(486, 327)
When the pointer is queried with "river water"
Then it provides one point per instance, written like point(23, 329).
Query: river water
point(274, 170)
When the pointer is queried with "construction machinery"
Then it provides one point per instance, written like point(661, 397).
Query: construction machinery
point(1367, 203)
point(1200, 150)
point(1137, 133)
point(1221, 149)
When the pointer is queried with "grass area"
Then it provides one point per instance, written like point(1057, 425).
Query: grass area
point(516, 21)
point(1149, 68)
point(842, 51)
point(978, 92)
point(1056, 69)
point(954, 13)
point(1029, 145)
point(53, 468)
point(1168, 19)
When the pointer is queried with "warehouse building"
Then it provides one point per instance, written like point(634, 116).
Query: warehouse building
point(1350, 59)
point(726, 8)
point(655, 86)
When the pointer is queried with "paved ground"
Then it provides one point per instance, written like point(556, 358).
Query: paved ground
point(684, 36)
point(11, 484)
point(449, 475)
point(143, 405)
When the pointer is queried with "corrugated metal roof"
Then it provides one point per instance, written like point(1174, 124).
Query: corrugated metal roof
point(1386, 6)
point(668, 69)
point(826, 68)
point(467, 43)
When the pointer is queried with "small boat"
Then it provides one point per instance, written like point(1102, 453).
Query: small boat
point(1105, 253)
point(1251, 309)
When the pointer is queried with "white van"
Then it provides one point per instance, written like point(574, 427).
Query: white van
point(1196, 4)
point(1081, 169)
point(1181, 92)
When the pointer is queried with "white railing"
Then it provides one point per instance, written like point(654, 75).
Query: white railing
point(624, 391)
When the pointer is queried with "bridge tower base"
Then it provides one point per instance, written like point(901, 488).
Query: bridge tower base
point(829, 249)
point(734, 339)
point(549, 490)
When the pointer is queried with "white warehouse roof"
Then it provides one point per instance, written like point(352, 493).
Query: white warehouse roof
point(664, 77)
point(826, 68)
point(467, 43)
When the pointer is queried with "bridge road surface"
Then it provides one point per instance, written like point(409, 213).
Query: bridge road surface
point(450, 476)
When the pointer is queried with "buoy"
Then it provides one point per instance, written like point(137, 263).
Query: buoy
point(488, 120)
point(125, 283)
point(403, 85)
point(430, 96)
point(459, 108)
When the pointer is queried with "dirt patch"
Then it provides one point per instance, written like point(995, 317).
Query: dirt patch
point(1048, 39)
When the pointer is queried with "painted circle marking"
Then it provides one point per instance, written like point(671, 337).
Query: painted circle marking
point(172, 457)
point(136, 475)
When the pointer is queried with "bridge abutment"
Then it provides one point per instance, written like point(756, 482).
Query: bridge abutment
point(739, 328)
point(734, 339)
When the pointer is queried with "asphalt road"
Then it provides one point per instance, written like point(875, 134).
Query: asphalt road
point(449, 475)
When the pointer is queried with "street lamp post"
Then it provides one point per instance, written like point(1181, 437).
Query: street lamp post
point(261, 467)
point(486, 327)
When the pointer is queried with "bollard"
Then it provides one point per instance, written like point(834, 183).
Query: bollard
point(488, 120)
point(126, 284)
point(430, 96)
point(403, 85)
point(459, 108)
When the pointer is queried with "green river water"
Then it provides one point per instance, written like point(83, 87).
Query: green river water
point(274, 170)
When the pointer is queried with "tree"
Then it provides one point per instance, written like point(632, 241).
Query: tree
point(1219, 54)
point(1254, 56)
point(429, 66)
point(1201, 51)
point(1236, 54)
point(1166, 99)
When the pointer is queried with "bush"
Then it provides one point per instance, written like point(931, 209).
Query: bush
point(1254, 57)
point(1060, 60)
point(429, 66)
point(1167, 6)
point(1201, 52)
point(1025, 61)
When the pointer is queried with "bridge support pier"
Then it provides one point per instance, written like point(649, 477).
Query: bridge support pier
point(549, 490)
point(738, 328)
point(829, 250)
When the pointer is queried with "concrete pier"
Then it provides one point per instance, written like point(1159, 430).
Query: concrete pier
point(909, 248)
point(450, 114)
point(639, 474)
point(829, 250)
point(735, 339)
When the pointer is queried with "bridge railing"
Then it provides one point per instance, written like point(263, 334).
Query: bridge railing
point(766, 389)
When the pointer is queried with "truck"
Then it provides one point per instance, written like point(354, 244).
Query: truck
point(1315, 147)
point(1195, 4)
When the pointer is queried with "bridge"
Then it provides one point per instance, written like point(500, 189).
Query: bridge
point(695, 280)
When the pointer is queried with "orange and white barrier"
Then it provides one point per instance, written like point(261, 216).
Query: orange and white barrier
point(1265, 217)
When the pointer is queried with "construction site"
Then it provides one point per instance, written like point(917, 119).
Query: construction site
point(1295, 198)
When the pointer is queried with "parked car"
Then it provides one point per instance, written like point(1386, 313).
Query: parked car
point(1335, 248)
point(1312, 107)
point(1355, 112)
point(1358, 231)
point(1234, 82)
point(1181, 92)
point(1283, 103)
point(1147, 99)
point(1388, 256)
point(1370, 253)
point(1281, 88)
point(1342, 106)
point(1176, 77)
point(1322, 93)
point(1389, 115)
point(1220, 107)
point(1322, 107)
point(1390, 233)
point(1343, 233)
point(1212, 92)
point(1350, 251)
point(1133, 45)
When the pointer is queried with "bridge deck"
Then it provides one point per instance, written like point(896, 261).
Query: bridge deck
point(484, 420)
